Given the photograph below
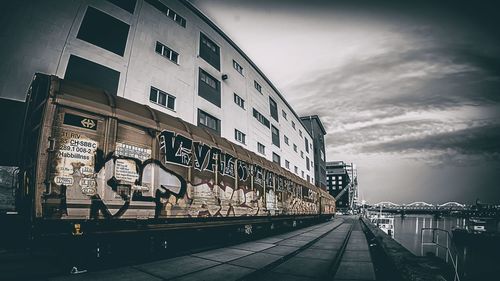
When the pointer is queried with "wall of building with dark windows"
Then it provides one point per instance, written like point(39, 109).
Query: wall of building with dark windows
point(166, 54)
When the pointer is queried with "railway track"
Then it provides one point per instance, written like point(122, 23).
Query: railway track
point(338, 237)
point(258, 274)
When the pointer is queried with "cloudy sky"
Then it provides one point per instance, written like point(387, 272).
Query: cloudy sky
point(408, 92)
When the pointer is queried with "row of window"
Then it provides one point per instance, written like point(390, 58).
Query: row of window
point(287, 142)
point(238, 67)
point(208, 121)
point(111, 34)
point(164, 99)
point(167, 52)
point(239, 136)
point(239, 101)
point(261, 118)
point(277, 160)
point(168, 12)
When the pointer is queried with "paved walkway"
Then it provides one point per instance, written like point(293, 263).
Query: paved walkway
point(356, 262)
point(319, 252)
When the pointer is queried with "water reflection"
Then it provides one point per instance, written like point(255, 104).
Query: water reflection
point(476, 262)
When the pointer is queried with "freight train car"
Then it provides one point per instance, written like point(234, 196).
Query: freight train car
point(94, 163)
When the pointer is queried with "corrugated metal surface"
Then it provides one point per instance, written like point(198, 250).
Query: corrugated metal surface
point(119, 159)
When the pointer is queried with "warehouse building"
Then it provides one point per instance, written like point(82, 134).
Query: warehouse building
point(166, 54)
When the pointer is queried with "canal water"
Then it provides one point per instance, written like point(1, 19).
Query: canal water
point(475, 262)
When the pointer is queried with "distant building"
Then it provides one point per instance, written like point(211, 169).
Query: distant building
point(317, 131)
point(352, 171)
point(337, 178)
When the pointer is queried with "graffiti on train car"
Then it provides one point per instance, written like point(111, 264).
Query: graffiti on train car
point(190, 179)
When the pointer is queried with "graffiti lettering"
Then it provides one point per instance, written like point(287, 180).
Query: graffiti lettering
point(242, 170)
point(258, 176)
point(269, 178)
point(226, 165)
point(200, 153)
point(127, 179)
point(212, 159)
point(280, 185)
point(176, 148)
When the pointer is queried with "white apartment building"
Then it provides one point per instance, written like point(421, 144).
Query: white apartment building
point(165, 54)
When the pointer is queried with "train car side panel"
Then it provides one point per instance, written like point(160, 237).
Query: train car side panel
point(132, 162)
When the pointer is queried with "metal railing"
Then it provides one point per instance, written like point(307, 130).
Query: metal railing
point(451, 251)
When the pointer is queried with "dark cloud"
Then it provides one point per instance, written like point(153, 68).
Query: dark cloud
point(414, 78)
point(377, 132)
point(394, 83)
point(481, 141)
point(408, 90)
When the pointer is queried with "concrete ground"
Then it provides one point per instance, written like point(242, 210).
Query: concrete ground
point(319, 252)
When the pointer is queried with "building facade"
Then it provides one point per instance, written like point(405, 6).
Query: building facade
point(352, 172)
point(338, 179)
point(165, 54)
point(315, 127)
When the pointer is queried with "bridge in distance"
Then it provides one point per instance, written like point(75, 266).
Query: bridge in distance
point(452, 207)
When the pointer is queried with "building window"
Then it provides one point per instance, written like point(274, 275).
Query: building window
point(92, 74)
point(322, 155)
point(302, 174)
point(306, 145)
point(300, 133)
point(168, 12)
point(283, 113)
point(239, 101)
point(261, 148)
point(273, 108)
point(296, 170)
point(293, 125)
point(238, 67)
point(286, 140)
point(162, 98)
point(208, 121)
point(276, 159)
point(209, 51)
point(287, 164)
point(275, 135)
point(104, 31)
point(127, 5)
point(261, 118)
point(209, 88)
point(208, 79)
point(308, 167)
point(302, 154)
point(295, 147)
point(167, 52)
point(257, 86)
point(239, 136)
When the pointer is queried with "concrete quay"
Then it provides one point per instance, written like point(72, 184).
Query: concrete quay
point(395, 262)
point(335, 250)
